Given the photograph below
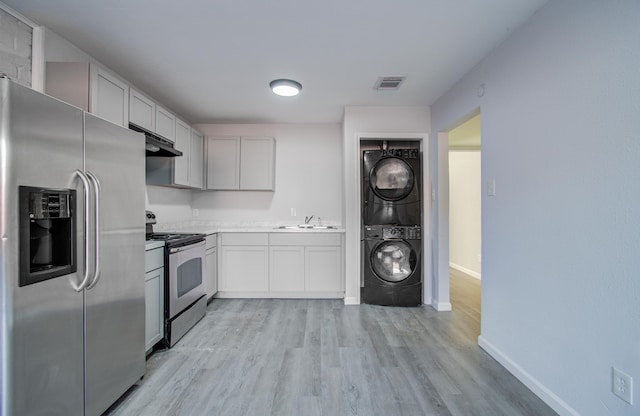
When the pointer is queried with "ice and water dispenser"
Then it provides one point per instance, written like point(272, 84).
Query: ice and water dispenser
point(47, 233)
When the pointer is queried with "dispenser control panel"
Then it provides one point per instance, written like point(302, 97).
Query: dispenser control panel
point(45, 205)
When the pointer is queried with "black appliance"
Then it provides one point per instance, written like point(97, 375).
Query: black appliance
point(392, 265)
point(156, 145)
point(391, 187)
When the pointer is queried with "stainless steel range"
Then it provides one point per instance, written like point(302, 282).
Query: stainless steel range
point(185, 300)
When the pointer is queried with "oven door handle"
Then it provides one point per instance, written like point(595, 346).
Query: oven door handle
point(96, 237)
point(187, 247)
point(87, 226)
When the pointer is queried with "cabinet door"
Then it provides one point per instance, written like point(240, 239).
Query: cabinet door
point(165, 124)
point(244, 269)
point(154, 307)
point(196, 159)
point(142, 110)
point(181, 163)
point(323, 269)
point(212, 272)
point(257, 156)
point(286, 269)
point(109, 97)
point(223, 162)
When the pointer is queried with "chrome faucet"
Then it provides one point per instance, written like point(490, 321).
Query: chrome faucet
point(307, 219)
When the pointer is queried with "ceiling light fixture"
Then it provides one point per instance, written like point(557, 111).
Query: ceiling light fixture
point(285, 87)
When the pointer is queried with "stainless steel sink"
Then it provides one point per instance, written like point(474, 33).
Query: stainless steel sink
point(306, 227)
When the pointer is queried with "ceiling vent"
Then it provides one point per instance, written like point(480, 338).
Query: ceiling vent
point(388, 83)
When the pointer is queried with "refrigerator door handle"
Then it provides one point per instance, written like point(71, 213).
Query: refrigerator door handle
point(87, 225)
point(96, 237)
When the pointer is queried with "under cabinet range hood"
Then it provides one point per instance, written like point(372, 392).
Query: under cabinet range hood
point(156, 145)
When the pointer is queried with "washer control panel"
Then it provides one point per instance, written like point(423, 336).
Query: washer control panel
point(405, 153)
point(404, 233)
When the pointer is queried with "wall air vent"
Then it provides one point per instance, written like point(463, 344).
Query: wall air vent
point(388, 83)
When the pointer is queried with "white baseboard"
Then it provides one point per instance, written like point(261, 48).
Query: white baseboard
point(465, 270)
point(279, 295)
point(441, 306)
point(546, 395)
point(351, 300)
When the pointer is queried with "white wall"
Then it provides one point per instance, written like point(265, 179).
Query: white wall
point(58, 49)
point(15, 47)
point(560, 103)
point(169, 204)
point(464, 211)
point(308, 176)
point(407, 122)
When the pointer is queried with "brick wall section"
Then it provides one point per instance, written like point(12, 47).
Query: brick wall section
point(15, 48)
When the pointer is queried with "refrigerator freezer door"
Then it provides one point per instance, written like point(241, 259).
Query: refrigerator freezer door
point(41, 338)
point(115, 308)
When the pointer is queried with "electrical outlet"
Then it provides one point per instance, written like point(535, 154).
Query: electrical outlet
point(196, 212)
point(293, 212)
point(622, 385)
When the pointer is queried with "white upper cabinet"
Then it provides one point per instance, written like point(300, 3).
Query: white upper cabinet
point(109, 97)
point(257, 156)
point(165, 123)
point(181, 166)
point(223, 162)
point(184, 171)
point(90, 87)
point(241, 163)
point(196, 160)
point(142, 110)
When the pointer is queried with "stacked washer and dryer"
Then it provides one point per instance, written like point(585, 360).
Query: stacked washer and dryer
point(392, 226)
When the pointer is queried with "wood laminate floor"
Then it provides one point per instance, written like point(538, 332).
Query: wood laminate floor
point(320, 357)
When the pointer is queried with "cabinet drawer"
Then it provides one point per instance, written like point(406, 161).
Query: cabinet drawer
point(153, 259)
point(244, 239)
point(211, 241)
point(304, 239)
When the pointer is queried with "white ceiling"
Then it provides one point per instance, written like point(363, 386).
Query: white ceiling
point(212, 60)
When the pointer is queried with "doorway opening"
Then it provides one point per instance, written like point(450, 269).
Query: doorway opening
point(465, 233)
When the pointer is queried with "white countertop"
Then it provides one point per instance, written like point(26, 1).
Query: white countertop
point(216, 227)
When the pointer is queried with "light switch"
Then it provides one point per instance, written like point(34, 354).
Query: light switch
point(491, 187)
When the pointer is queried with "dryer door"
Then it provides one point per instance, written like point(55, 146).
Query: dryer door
point(393, 260)
point(392, 179)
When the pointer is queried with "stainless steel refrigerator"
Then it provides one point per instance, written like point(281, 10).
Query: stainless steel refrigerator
point(71, 257)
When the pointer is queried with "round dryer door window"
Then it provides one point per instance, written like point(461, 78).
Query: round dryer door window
point(393, 260)
point(392, 179)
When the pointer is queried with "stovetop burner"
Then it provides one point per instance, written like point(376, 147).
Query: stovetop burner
point(170, 239)
point(168, 236)
point(176, 239)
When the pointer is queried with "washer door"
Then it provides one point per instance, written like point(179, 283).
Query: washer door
point(393, 260)
point(391, 179)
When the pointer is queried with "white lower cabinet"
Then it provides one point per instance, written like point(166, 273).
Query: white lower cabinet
point(323, 269)
point(154, 297)
point(244, 264)
point(244, 269)
point(211, 260)
point(281, 265)
point(286, 269)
